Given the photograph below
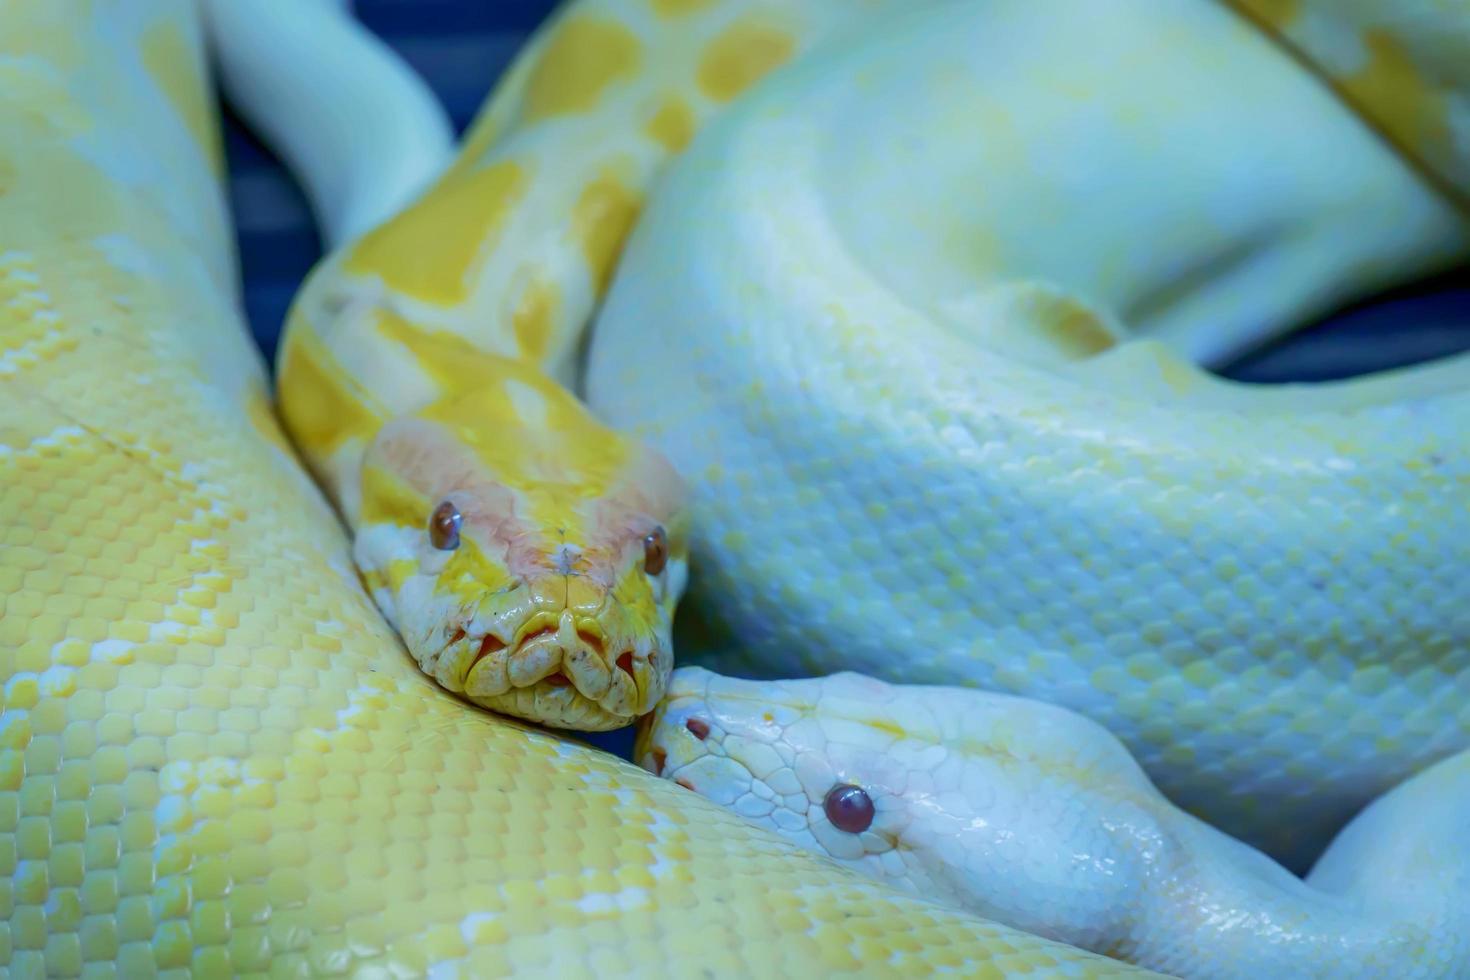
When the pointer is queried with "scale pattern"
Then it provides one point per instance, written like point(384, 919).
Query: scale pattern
point(1032, 815)
point(215, 758)
point(951, 430)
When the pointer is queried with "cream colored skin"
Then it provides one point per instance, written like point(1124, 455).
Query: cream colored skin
point(1035, 816)
point(919, 319)
point(215, 758)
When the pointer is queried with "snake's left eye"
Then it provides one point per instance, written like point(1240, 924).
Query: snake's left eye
point(655, 551)
point(849, 808)
point(444, 526)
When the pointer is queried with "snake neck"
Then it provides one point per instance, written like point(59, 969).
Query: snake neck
point(1213, 900)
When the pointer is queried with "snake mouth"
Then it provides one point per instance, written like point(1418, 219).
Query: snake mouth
point(556, 668)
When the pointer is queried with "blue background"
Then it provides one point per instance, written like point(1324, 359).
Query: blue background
point(462, 46)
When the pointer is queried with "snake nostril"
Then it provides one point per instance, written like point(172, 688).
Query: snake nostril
point(625, 664)
point(697, 728)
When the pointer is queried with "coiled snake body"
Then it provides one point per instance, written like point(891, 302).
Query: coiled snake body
point(1260, 593)
point(214, 756)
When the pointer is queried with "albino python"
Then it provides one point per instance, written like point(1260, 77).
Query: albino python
point(215, 758)
point(1037, 817)
point(796, 353)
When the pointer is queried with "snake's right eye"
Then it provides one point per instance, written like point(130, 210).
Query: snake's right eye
point(655, 551)
point(444, 526)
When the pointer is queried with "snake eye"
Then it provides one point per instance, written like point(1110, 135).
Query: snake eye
point(849, 808)
point(444, 527)
point(655, 551)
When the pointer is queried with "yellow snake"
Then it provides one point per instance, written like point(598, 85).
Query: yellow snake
point(268, 743)
point(215, 758)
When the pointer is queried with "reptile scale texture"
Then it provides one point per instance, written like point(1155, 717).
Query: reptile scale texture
point(217, 757)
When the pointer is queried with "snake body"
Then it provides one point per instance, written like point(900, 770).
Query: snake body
point(920, 319)
point(212, 742)
point(215, 758)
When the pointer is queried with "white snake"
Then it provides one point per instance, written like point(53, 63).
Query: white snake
point(942, 577)
point(1035, 816)
point(888, 353)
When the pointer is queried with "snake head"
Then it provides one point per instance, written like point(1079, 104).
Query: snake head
point(953, 793)
point(529, 557)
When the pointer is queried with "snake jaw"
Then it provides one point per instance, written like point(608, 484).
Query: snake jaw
point(583, 669)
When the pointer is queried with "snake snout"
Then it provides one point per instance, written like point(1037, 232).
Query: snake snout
point(561, 650)
point(675, 735)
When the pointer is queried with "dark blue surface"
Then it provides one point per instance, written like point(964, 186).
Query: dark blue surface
point(462, 46)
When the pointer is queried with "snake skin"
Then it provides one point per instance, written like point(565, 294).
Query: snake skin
point(928, 356)
point(1037, 817)
point(215, 758)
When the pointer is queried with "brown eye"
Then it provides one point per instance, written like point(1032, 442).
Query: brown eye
point(444, 527)
point(849, 808)
point(655, 551)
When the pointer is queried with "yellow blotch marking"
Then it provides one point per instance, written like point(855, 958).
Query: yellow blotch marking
point(535, 318)
point(427, 251)
point(41, 100)
point(1398, 98)
point(485, 395)
point(1179, 375)
point(172, 63)
point(554, 464)
point(451, 360)
point(585, 56)
point(888, 727)
point(678, 8)
point(672, 126)
point(388, 499)
point(562, 444)
point(1274, 14)
point(741, 56)
point(47, 33)
point(1075, 328)
point(603, 216)
point(322, 404)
